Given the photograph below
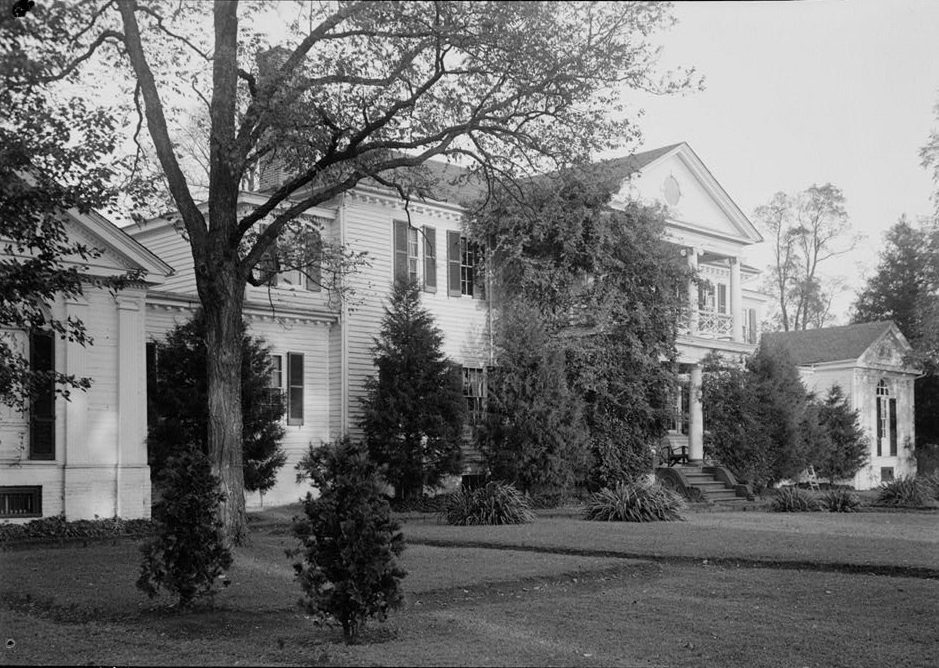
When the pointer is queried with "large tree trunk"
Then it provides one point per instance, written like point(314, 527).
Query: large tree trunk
point(222, 303)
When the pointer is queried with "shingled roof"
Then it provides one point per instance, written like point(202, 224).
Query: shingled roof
point(831, 344)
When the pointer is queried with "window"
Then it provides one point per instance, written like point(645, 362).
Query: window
point(306, 277)
point(721, 298)
point(412, 252)
point(294, 388)
point(405, 250)
point(276, 381)
point(42, 406)
point(21, 501)
point(474, 389)
point(886, 421)
point(886, 474)
point(464, 260)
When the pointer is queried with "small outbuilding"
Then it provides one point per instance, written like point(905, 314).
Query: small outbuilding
point(870, 363)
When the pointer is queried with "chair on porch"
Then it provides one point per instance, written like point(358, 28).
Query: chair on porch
point(673, 454)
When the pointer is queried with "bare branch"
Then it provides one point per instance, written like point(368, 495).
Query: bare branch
point(72, 66)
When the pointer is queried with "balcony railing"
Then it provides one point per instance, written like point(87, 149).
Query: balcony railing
point(711, 325)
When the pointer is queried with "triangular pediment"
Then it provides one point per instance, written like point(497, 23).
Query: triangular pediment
point(890, 349)
point(118, 252)
point(696, 204)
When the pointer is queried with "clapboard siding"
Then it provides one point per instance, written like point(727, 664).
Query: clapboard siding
point(369, 224)
point(169, 245)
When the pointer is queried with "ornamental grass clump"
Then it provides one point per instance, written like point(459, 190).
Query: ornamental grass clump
point(795, 500)
point(492, 504)
point(634, 502)
point(840, 500)
point(906, 492)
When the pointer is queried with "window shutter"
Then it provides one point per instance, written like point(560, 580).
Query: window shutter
point(453, 264)
point(753, 333)
point(893, 427)
point(721, 298)
point(880, 426)
point(430, 259)
point(42, 407)
point(294, 388)
point(400, 250)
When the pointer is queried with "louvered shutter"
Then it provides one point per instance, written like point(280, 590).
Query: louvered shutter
point(42, 407)
point(893, 427)
point(880, 428)
point(400, 250)
point(430, 259)
point(453, 264)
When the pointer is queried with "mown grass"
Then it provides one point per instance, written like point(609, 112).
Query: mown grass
point(477, 606)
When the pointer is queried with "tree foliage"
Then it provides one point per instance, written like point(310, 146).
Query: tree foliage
point(356, 90)
point(178, 403)
point(188, 554)
point(805, 230)
point(533, 434)
point(350, 545)
point(848, 448)
point(759, 421)
point(610, 292)
point(905, 289)
point(414, 409)
point(51, 162)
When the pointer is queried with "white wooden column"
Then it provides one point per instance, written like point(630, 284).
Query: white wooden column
point(692, 255)
point(695, 417)
point(736, 299)
point(74, 449)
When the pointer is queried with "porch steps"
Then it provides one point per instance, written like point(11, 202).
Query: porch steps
point(711, 488)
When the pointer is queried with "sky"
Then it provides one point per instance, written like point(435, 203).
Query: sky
point(798, 93)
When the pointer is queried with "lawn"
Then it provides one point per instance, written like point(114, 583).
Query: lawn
point(728, 589)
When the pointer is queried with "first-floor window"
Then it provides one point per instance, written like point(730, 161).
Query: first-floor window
point(294, 388)
point(42, 405)
point(474, 389)
point(886, 421)
point(276, 381)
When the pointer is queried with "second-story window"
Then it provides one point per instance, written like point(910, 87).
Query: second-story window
point(464, 260)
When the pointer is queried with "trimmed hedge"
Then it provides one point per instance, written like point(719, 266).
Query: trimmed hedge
point(58, 528)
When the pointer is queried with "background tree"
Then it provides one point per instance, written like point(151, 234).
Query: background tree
point(414, 409)
point(609, 290)
point(359, 90)
point(847, 449)
point(178, 410)
point(805, 230)
point(533, 434)
point(905, 289)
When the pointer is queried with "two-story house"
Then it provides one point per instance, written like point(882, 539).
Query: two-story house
point(322, 345)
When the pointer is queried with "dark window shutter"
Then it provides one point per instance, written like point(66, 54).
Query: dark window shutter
point(42, 406)
point(453, 264)
point(893, 427)
point(294, 388)
point(314, 270)
point(880, 427)
point(430, 259)
point(401, 250)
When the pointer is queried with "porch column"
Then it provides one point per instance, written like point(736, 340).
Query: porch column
point(736, 299)
point(692, 255)
point(695, 418)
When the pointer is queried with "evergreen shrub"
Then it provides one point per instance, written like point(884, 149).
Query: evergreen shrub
point(349, 568)
point(494, 503)
point(634, 502)
point(188, 554)
point(795, 500)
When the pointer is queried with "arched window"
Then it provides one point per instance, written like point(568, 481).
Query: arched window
point(886, 421)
